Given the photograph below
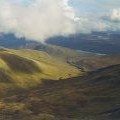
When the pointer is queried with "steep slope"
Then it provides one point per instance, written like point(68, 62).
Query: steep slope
point(95, 96)
point(28, 67)
point(91, 63)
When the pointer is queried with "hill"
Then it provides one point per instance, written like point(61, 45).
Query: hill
point(85, 61)
point(91, 63)
point(94, 96)
point(25, 68)
point(60, 52)
point(11, 41)
point(98, 42)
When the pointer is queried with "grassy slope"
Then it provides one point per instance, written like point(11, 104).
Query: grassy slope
point(83, 60)
point(96, 62)
point(92, 97)
point(28, 67)
point(59, 52)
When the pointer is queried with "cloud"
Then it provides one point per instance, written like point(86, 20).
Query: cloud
point(115, 15)
point(38, 20)
point(41, 19)
point(112, 19)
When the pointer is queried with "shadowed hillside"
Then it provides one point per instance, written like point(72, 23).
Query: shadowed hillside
point(91, 63)
point(4, 77)
point(95, 96)
point(20, 64)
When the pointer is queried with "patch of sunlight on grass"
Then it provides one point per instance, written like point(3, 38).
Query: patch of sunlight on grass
point(50, 67)
point(3, 65)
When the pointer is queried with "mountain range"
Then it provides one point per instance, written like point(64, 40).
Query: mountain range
point(107, 42)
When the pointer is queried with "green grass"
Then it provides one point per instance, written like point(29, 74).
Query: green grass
point(26, 68)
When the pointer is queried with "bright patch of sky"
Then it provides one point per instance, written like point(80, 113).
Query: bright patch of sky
point(25, 2)
point(95, 5)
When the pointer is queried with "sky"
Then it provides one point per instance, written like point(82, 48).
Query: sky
point(41, 19)
point(95, 5)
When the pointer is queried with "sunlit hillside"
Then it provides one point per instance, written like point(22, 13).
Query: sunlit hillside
point(26, 68)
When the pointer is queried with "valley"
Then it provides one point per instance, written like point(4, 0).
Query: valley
point(59, 60)
point(49, 82)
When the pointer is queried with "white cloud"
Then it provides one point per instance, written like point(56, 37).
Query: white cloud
point(39, 20)
point(115, 15)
